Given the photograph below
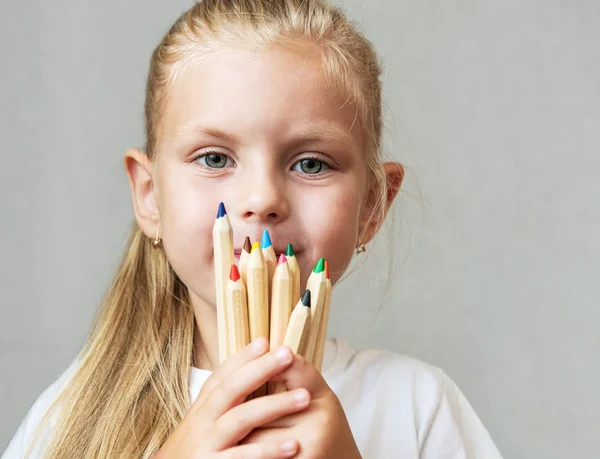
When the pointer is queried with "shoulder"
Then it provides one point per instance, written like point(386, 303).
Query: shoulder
point(405, 398)
point(20, 442)
point(385, 370)
point(385, 377)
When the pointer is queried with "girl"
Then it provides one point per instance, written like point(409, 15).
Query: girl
point(274, 108)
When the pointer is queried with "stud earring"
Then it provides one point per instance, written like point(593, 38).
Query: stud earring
point(361, 249)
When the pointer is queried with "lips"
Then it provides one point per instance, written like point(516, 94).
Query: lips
point(237, 253)
point(278, 251)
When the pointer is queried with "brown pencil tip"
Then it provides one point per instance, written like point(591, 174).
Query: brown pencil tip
point(247, 245)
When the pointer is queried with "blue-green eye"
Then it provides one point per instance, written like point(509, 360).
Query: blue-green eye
point(214, 160)
point(310, 166)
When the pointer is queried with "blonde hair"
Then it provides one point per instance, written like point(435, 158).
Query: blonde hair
point(131, 386)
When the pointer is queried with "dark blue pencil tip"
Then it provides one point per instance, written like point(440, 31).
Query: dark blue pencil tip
point(266, 240)
point(306, 298)
point(222, 212)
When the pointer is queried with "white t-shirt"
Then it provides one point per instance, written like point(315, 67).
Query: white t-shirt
point(397, 407)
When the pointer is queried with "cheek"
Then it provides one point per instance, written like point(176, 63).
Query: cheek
point(334, 233)
point(187, 221)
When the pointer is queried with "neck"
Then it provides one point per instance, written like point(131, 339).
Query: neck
point(206, 341)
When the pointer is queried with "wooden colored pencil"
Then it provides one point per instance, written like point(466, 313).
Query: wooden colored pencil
point(296, 334)
point(317, 284)
point(269, 256)
point(244, 258)
point(223, 259)
point(299, 326)
point(258, 311)
point(281, 303)
point(258, 300)
point(322, 335)
point(294, 271)
point(237, 310)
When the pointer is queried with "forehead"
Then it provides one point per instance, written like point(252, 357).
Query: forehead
point(258, 92)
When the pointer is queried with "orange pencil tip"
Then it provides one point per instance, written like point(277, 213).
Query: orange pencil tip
point(326, 270)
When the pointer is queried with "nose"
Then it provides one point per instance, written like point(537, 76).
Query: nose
point(262, 198)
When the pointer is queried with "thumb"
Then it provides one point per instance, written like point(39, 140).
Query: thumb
point(302, 374)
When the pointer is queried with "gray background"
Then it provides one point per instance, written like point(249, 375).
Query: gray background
point(493, 106)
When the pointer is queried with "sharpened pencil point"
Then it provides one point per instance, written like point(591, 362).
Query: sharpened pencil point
point(222, 212)
point(255, 246)
point(234, 274)
point(266, 240)
point(306, 298)
point(247, 245)
point(326, 270)
point(320, 266)
point(289, 251)
point(281, 260)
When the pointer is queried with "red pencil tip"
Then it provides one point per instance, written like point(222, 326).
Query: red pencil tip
point(326, 270)
point(234, 274)
point(281, 260)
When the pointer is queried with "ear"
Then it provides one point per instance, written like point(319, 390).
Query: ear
point(371, 220)
point(145, 205)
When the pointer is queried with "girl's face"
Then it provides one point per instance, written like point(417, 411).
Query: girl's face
point(263, 134)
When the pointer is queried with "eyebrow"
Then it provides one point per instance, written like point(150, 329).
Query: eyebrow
point(208, 131)
point(329, 132)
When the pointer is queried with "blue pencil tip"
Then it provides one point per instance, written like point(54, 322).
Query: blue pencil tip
point(266, 240)
point(222, 212)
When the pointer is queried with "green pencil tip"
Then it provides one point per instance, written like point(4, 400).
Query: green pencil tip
point(289, 251)
point(320, 266)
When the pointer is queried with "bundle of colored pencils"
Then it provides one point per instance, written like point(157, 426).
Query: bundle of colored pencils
point(256, 298)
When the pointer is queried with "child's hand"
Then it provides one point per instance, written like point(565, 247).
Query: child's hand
point(218, 419)
point(322, 430)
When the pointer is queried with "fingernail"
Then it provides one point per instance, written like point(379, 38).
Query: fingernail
point(283, 355)
point(300, 397)
point(288, 448)
point(258, 345)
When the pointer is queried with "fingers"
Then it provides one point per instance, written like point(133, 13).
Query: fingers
point(262, 434)
point(237, 423)
point(244, 380)
point(281, 423)
point(269, 450)
point(251, 352)
point(301, 374)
